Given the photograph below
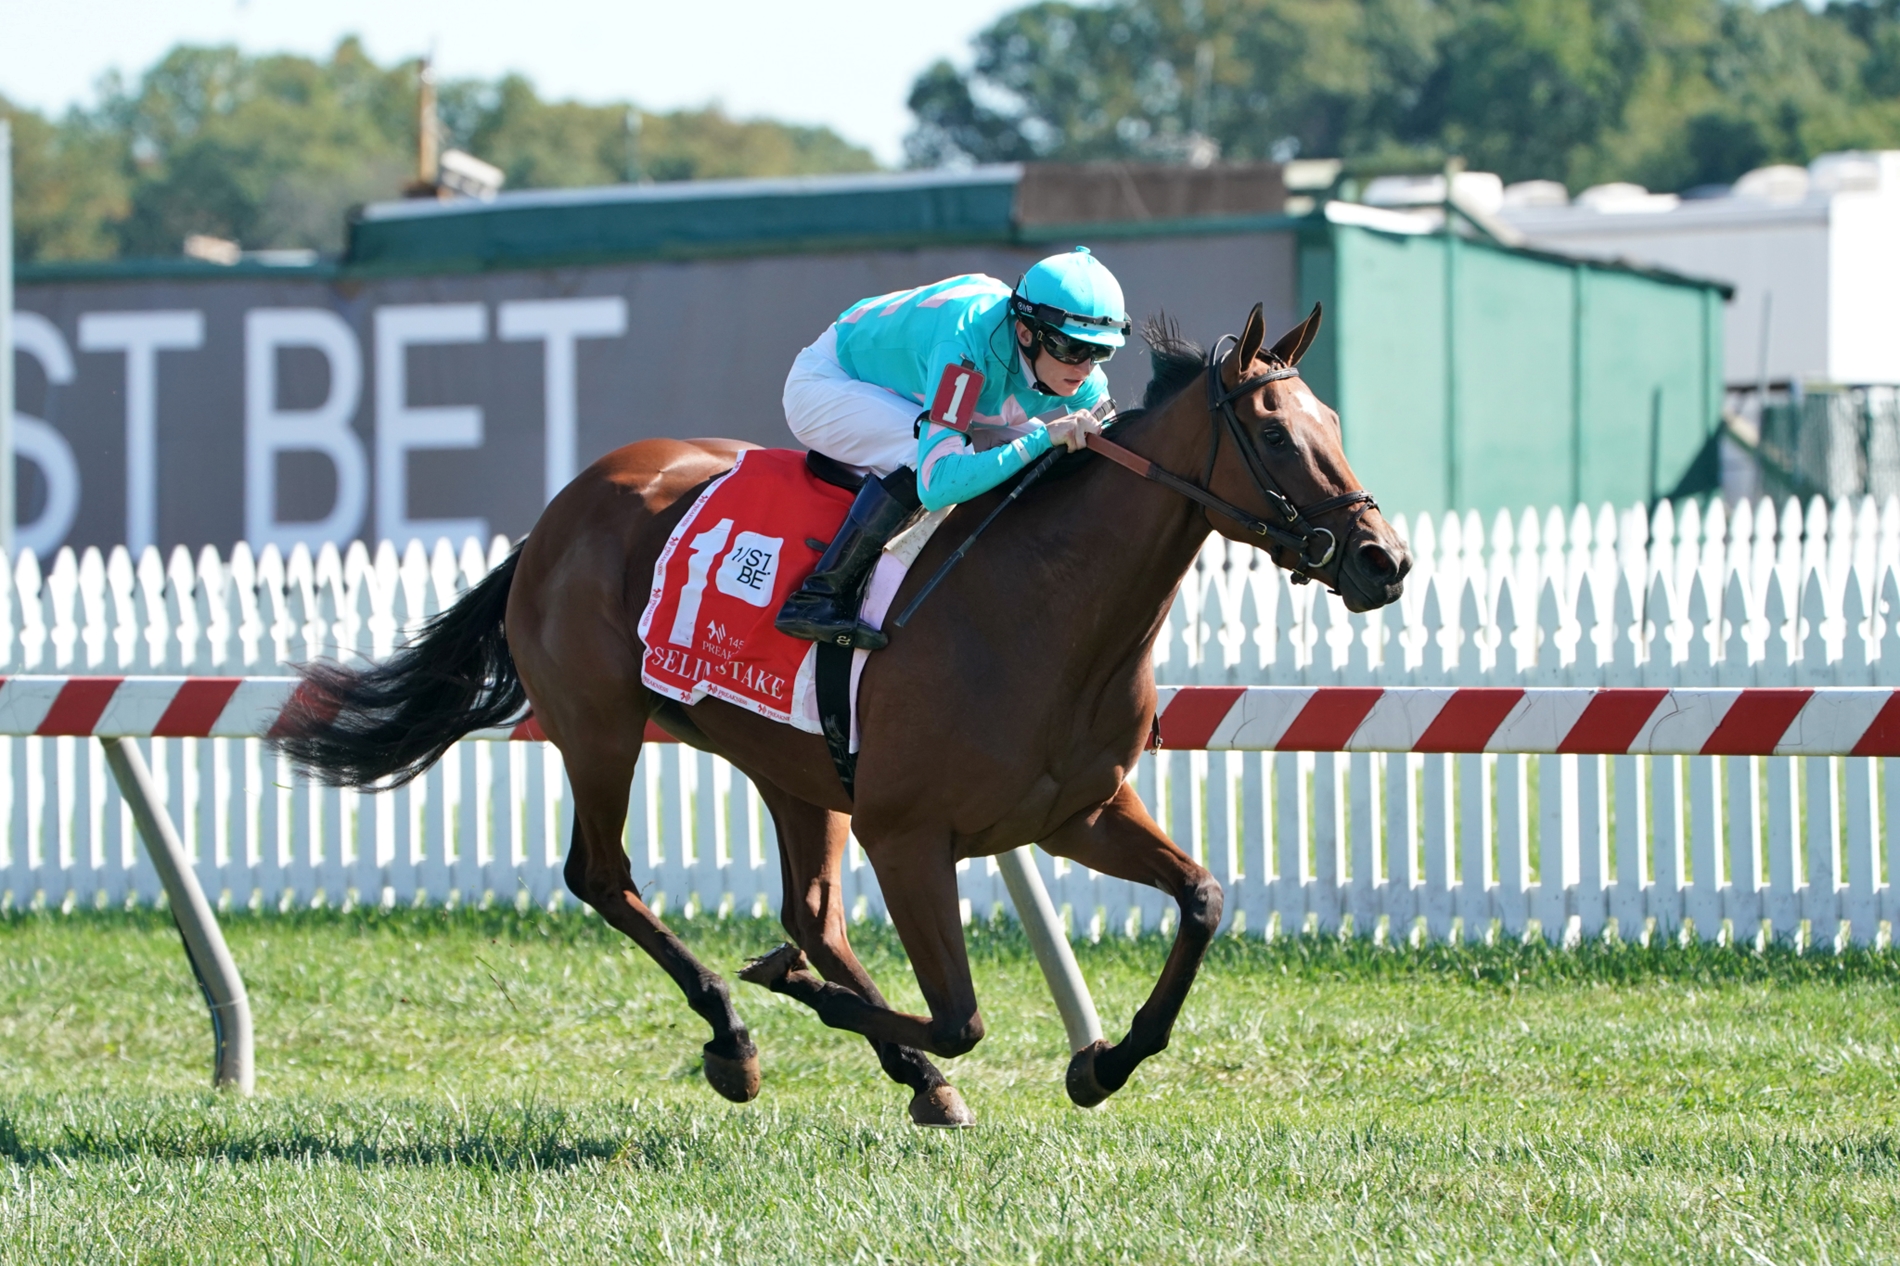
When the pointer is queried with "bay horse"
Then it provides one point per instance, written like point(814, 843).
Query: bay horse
point(1010, 710)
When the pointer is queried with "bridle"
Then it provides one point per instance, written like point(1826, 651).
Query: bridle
point(1294, 530)
point(1313, 546)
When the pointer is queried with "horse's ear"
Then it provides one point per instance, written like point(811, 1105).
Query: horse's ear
point(1294, 342)
point(1251, 338)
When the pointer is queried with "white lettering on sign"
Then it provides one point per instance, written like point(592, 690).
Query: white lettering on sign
point(559, 324)
point(270, 428)
point(704, 547)
point(402, 428)
point(751, 568)
point(141, 336)
point(35, 440)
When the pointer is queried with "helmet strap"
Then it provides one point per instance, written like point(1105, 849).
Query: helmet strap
point(1031, 355)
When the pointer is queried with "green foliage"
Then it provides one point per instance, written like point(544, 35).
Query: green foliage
point(273, 151)
point(266, 151)
point(486, 1085)
point(541, 144)
point(1670, 93)
point(69, 188)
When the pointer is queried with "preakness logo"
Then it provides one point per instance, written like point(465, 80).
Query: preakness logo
point(750, 568)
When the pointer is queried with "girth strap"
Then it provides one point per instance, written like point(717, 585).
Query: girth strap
point(832, 683)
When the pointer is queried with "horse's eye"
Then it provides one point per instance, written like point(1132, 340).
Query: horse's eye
point(1274, 436)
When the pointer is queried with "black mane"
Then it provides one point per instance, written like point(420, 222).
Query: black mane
point(1177, 359)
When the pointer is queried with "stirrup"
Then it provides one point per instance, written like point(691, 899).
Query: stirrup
point(828, 627)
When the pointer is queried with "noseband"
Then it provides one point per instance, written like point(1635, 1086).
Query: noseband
point(1312, 546)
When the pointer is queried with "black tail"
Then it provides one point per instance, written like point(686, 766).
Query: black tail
point(385, 724)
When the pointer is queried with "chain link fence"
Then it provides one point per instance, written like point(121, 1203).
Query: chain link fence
point(1831, 442)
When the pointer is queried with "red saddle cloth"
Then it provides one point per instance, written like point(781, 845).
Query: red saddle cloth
point(725, 571)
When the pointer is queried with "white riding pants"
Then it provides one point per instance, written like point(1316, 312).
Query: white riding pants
point(858, 423)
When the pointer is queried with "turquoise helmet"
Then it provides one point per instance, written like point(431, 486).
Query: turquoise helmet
point(1075, 294)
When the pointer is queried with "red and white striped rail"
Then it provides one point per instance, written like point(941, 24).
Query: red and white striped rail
point(161, 707)
point(1831, 721)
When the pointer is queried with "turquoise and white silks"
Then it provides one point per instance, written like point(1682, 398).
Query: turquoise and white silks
point(856, 393)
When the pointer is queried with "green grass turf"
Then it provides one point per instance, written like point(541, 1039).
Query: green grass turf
point(495, 1087)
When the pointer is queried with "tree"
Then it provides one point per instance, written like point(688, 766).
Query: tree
point(69, 186)
point(1671, 93)
point(266, 151)
point(540, 143)
point(273, 151)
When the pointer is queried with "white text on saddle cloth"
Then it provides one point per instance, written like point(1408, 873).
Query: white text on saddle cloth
point(954, 405)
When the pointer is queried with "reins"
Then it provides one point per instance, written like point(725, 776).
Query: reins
point(1294, 530)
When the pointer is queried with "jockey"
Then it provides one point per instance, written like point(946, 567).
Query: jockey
point(856, 394)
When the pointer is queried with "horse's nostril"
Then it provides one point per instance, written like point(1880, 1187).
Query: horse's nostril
point(1377, 562)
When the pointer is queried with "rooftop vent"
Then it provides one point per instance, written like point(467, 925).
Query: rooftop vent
point(1781, 184)
point(1526, 194)
point(1857, 171)
point(1481, 190)
point(1622, 198)
point(468, 176)
point(212, 249)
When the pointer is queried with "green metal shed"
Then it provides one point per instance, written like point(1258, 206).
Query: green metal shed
point(1472, 375)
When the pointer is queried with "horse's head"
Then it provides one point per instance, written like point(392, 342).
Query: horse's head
point(1278, 454)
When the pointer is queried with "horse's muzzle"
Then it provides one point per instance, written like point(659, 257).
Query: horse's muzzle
point(1372, 573)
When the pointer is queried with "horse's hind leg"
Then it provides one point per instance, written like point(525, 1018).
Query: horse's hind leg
point(918, 873)
point(599, 873)
point(1120, 839)
point(811, 843)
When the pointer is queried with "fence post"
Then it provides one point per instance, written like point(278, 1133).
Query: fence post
point(6, 338)
point(204, 944)
point(1044, 926)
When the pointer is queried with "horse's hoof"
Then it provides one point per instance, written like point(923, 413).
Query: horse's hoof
point(941, 1107)
point(767, 970)
point(734, 1079)
point(1084, 1090)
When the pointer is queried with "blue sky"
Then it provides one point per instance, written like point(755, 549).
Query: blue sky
point(845, 63)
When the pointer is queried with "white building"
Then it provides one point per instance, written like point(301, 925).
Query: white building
point(1813, 254)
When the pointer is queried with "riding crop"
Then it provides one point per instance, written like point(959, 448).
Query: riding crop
point(1029, 477)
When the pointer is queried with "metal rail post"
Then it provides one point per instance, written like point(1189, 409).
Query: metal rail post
point(7, 513)
point(1051, 945)
point(210, 959)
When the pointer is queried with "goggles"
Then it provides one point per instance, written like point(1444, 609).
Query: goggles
point(1047, 321)
point(1070, 350)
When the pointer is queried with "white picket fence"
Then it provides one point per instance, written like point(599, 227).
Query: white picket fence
point(1389, 845)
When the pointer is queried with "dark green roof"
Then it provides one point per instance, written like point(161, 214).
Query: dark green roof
point(170, 268)
point(711, 218)
point(686, 220)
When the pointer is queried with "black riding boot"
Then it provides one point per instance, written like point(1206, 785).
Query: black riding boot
point(825, 607)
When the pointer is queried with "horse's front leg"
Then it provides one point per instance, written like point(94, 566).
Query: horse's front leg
point(1120, 839)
